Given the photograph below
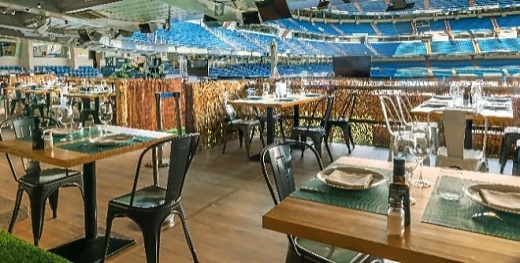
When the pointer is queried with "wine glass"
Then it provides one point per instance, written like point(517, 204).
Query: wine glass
point(265, 89)
point(105, 114)
point(422, 148)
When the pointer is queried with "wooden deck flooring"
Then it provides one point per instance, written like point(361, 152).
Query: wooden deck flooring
point(224, 198)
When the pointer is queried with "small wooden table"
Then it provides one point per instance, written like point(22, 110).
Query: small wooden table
point(86, 97)
point(45, 92)
point(433, 106)
point(367, 232)
point(90, 247)
point(270, 104)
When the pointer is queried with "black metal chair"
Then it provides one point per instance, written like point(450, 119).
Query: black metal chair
point(16, 100)
point(148, 207)
point(244, 127)
point(40, 184)
point(318, 133)
point(263, 121)
point(278, 158)
point(342, 120)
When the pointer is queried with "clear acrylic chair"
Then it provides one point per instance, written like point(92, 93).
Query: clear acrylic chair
point(454, 155)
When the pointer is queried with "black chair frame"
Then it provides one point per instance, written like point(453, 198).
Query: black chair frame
point(318, 134)
point(40, 184)
point(158, 203)
point(343, 120)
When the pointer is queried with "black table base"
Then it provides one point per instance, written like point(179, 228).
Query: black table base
point(91, 250)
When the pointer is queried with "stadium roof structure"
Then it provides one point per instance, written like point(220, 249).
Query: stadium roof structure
point(81, 22)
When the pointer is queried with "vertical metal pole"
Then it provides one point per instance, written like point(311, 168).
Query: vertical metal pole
point(157, 152)
point(89, 177)
point(176, 95)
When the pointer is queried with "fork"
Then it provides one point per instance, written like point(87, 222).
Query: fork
point(487, 214)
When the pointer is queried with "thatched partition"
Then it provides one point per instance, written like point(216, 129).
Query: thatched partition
point(203, 111)
point(368, 120)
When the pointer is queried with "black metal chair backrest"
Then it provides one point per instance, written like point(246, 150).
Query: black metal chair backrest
point(326, 114)
point(181, 154)
point(349, 106)
point(23, 126)
point(279, 156)
point(230, 110)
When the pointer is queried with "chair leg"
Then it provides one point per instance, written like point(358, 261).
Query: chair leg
point(346, 137)
point(262, 138)
point(152, 239)
point(280, 121)
point(18, 201)
point(247, 142)
point(328, 149)
point(180, 212)
point(110, 219)
point(13, 107)
point(317, 144)
point(53, 201)
point(37, 213)
point(351, 137)
point(224, 139)
point(241, 136)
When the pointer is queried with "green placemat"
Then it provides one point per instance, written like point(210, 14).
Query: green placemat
point(373, 200)
point(90, 148)
point(60, 138)
point(457, 214)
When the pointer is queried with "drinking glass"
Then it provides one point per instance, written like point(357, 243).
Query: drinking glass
point(422, 148)
point(449, 185)
point(265, 90)
point(105, 114)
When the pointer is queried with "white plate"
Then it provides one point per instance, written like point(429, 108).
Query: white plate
point(111, 139)
point(473, 192)
point(377, 178)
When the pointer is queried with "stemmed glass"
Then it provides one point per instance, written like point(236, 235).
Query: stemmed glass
point(105, 114)
point(265, 90)
point(422, 148)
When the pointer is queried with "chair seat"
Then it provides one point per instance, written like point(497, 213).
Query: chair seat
point(334, 254)
point(471, 161)
point(50, 175)
point(244, 122)
point(148, 197)
point(263, 118)
point(301, 129)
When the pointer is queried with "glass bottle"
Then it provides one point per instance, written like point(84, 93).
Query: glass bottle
point(395, 218)
point(399, 189)
point(37, 136)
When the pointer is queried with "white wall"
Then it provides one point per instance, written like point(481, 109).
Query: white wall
point(49, 61)
point(9, 61)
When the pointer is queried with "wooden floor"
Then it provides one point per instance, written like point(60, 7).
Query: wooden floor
point(224, 198)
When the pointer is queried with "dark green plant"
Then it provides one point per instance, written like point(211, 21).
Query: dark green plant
point(14, 250)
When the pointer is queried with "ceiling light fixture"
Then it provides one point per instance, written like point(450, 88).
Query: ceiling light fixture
point(4, 11)
point(39, 5)
point(13, 13)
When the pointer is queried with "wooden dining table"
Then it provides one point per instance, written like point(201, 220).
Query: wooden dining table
point(271, 103)
point(367, 232)
point(494, 109)
point(90, 247)
point(47, 92)
point(86, 97)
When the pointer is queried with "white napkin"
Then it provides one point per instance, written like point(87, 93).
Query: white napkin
point(351, 180)
point(505, 200)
